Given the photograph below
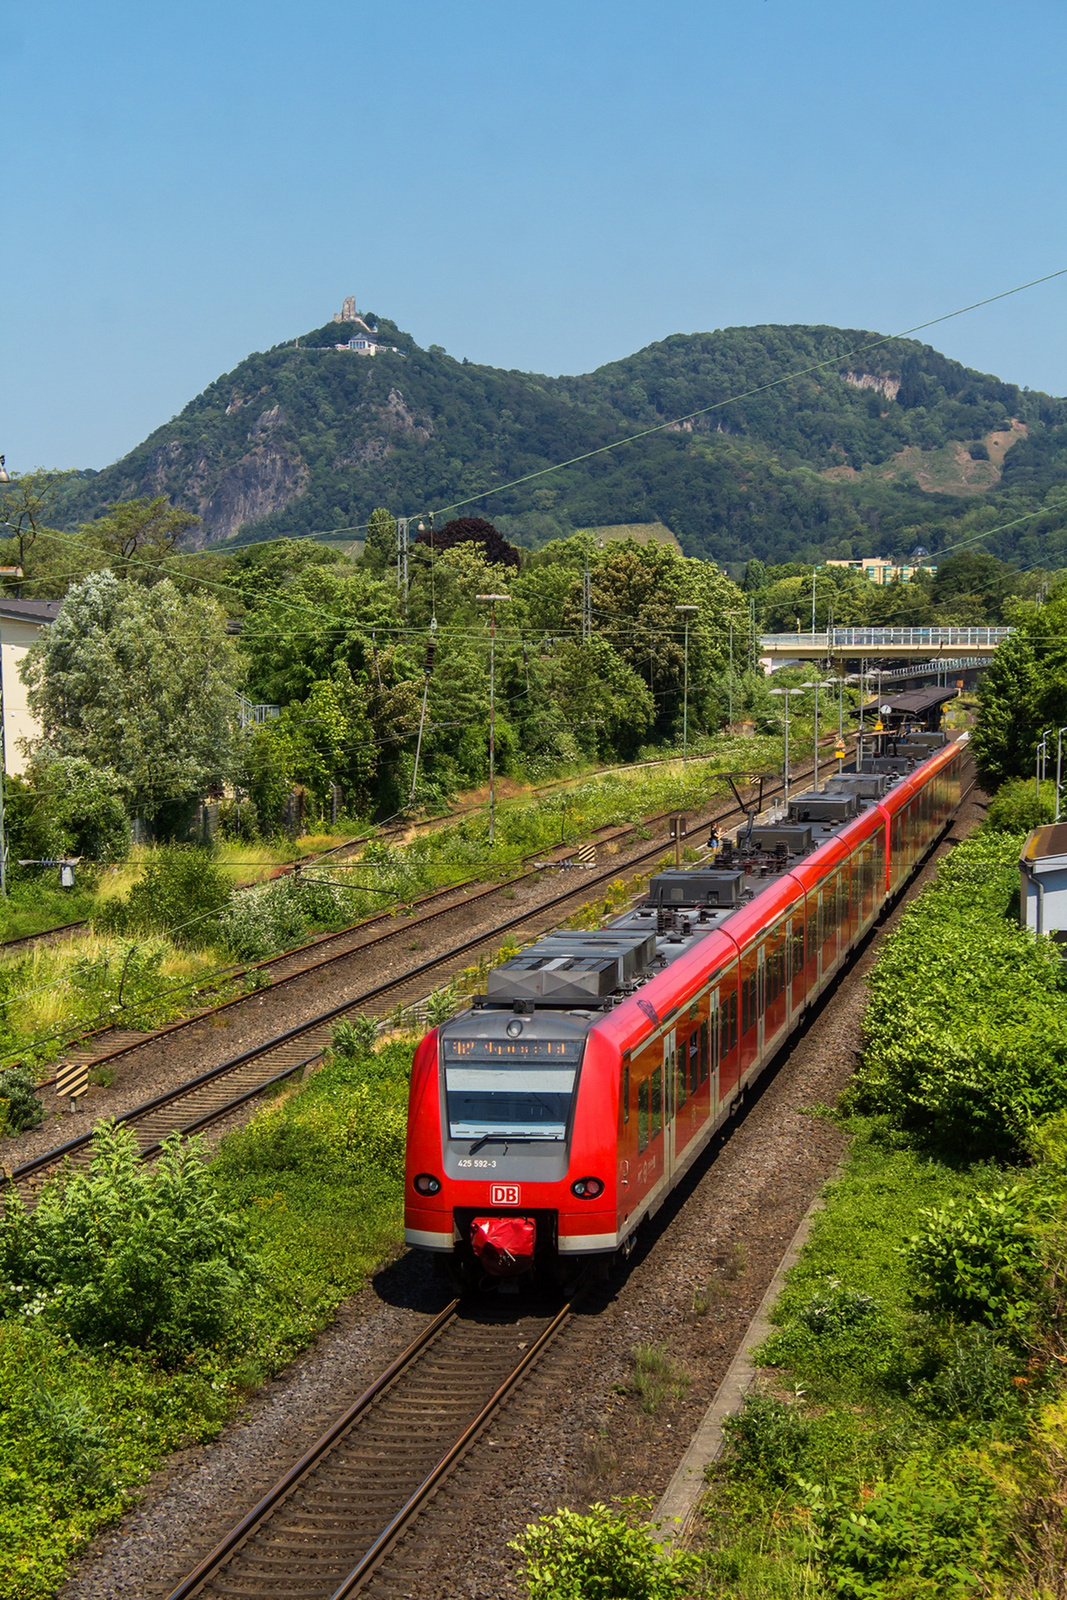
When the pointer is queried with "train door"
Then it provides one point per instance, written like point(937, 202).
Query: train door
point(710, 1045)
point(795, 960)
point(750, 998)
point(761, 994)
point(729, 1035)
point(670, 1099)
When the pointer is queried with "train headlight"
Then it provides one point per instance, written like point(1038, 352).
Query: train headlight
point(426, 1183)
point(587, 1188)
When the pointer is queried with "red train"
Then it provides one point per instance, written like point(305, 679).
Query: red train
point(550, 1118)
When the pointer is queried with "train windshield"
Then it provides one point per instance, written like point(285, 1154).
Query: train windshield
point(510, 1088)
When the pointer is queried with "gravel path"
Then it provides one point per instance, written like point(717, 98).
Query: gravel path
point(573, 1432)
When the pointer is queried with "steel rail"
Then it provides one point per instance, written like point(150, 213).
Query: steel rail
point(319, 1024)
point(311, 1457)
point(302, 1472)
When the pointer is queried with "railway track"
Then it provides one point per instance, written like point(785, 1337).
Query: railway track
point(223, 1089)
point(329, 1524)
point(326, 1526)
point(85, 1046)
point(193, 1105)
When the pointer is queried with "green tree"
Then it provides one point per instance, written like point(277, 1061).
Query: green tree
point(140, 681)
point(67, 807)
point(1008, 726)
point(136, 536)
point(380, 548)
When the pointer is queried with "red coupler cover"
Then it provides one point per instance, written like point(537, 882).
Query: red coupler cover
point(504, 1245)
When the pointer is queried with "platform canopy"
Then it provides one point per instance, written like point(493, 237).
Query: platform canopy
point(918, 706)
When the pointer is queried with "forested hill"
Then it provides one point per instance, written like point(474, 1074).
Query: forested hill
point(886, 446)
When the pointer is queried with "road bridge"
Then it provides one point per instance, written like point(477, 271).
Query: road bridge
point(975, 645)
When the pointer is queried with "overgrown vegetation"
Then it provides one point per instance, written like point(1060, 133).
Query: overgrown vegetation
point(139, 1304)
point(907, 1437)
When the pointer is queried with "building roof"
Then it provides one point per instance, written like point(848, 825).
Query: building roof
point(916, 704)
point(29, 610)
point(1051, 840)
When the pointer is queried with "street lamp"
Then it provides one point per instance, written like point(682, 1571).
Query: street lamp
point(688, 612)
point(492, 599)
point(1059, 767)
point(786, 693)
point(817, 686)
point(1040, 757)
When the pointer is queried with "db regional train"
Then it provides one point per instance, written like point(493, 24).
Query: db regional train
point(553, 1116)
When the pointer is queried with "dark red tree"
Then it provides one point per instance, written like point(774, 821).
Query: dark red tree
point(473, 530)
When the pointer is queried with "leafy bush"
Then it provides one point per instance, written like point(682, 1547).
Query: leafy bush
point(838, 1310)
point(238, 819)
point(1018, 807)
point(67, 807)
point(926, 1533)
point(980, 1262)
point(353, 1038)
point(967, 1021)
point(767, 1439)
point(182, 892)
point(275, 916)
point(126, 1254)
point(601, 1556)
point(974, 1383)
point(19, 1106)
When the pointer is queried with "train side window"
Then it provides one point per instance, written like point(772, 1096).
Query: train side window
point(656, 1105)
point(626, 1091)
point(705, 1039)
point(696, 1051)
point(642, 1115)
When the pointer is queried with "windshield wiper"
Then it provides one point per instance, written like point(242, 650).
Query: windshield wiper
point(515, 1138)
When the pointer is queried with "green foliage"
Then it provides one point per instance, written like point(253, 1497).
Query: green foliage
point(19, 1106)
point(380, 546)
point(923, 1532)
point(139, 681)
point(182, 892)
point(126, 1254)
point(967, 1021)
point(657, 1377)
point(1017, 807)
point(67, 807)
point(766, 1440)
point(1008, 727)
point(274, 916)
point(603, 1555)
point(353, 1038)
point(746, 480)
point(981, 1262)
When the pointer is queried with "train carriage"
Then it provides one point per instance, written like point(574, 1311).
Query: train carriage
point(550, 1118)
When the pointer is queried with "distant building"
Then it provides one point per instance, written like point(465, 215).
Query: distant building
point(879, 569)
point(20, 623)
point(365, 343)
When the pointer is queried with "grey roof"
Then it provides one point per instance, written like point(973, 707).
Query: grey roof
point(915, 704)
point(29, 610)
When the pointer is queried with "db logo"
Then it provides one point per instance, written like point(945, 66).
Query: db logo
point(504, 1194)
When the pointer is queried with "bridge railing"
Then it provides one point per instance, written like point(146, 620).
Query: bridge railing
point(871, 639)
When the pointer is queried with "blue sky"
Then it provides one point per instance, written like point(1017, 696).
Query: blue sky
point(546, 186)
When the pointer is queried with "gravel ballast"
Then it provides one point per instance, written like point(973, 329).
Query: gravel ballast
point(574, 1431)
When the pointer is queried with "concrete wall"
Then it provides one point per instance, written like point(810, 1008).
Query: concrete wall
point(16, 636)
